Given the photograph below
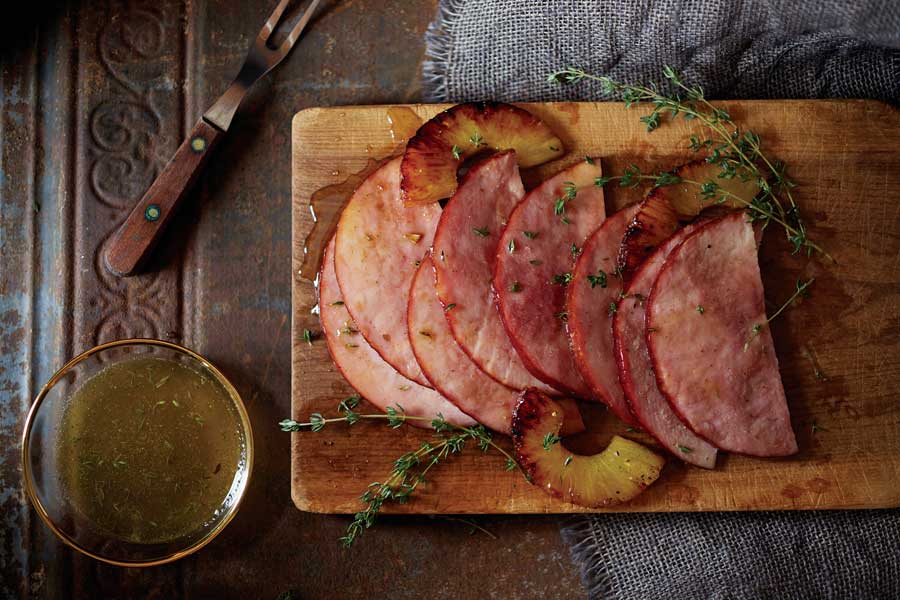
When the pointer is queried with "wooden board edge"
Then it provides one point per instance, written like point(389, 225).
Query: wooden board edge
point(322, 506)
point(304, 115)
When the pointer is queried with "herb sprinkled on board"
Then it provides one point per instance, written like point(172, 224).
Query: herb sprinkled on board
point(737, 151)
point(410, 469)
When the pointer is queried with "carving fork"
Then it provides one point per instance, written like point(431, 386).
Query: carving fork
point(135, 239)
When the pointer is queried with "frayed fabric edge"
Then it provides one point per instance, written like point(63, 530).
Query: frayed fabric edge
point(437, 51)
point(586, 549)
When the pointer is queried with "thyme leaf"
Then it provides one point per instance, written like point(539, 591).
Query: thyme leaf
point(561, 279)
point(410, 470)
point(737, 151)
point(598, 279)
point(549, 440)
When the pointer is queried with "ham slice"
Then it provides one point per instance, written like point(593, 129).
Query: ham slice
point(636, 372)
point(364, 369)
point(377, 248)
point(546, 230)
point(591, 300)
point(452, 372)
point(711, 346)
point(465, 248)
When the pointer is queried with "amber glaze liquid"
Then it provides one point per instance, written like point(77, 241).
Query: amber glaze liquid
point(149, 450)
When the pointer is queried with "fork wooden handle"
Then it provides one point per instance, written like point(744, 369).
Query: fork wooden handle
point(142, 229)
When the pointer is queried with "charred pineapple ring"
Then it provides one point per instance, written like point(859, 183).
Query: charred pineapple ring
point(618, 474)
point(433, 155)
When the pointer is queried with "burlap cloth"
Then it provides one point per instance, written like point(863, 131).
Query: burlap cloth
point(504, 50)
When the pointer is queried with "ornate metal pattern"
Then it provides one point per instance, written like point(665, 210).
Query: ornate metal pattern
point(133, 128)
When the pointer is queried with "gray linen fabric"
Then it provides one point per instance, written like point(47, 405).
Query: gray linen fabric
point(504, 50)
point(813, 555)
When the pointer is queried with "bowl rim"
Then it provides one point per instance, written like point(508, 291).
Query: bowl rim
point(28, 475)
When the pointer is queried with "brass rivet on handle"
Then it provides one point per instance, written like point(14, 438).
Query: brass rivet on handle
point(198, 144)
point(152, 212)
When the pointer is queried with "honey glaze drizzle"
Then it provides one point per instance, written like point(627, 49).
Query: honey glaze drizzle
point(325, 207)
point(403, 123)
point(327, 203)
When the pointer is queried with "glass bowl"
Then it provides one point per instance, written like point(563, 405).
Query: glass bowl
point(44, 448)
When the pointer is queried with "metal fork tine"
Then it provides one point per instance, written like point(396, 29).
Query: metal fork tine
point(292, 38)
point(272, 21)
point(260, 60)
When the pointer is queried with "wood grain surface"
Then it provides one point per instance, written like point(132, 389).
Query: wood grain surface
point(839, 349)
point(142, 229)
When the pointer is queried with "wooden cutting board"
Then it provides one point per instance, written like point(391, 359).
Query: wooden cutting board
point(839, 349)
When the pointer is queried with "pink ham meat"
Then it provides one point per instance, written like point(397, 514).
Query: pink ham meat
point(364, 369)
point(591, 300)
point(465, 249)
point(377, 247)
point(720, 377)
point(636, 372)
point(452, 372)
point(530, 281)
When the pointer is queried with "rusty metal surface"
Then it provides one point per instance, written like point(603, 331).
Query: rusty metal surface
point(95, 97)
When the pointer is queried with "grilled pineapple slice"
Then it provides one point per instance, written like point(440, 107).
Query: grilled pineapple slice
point(618, 474)
point(664, 207)
point(433, 155)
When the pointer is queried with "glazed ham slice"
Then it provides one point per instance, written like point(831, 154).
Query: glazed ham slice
point(464, 254)
point(452, 372)
point(710, 344)
point(636, 372)
point(378, 244)
point(364, 369)
point(591, 300)
point(535, 257)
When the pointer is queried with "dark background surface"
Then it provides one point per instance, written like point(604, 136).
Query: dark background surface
point(95, 98)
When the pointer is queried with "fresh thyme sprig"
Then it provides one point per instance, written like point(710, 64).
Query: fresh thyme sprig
point(632, 177)
point(802, 287)
point(411, 468)
point(737, 152)
point(570, 191)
